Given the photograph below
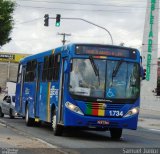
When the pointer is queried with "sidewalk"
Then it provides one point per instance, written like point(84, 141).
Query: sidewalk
point(149, 119)
point(150, 103)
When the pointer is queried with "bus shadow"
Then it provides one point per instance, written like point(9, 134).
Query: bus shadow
point(89, 135)
point(71, 132)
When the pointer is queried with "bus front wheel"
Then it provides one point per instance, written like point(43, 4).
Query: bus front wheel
point(116, 133)
point(57, 129)
point(29, 121)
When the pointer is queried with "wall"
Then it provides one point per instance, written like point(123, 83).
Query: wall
point(8, 72)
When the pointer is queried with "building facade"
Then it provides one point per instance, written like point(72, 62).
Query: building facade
point(9, 67)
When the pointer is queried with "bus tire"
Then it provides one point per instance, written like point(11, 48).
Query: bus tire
point(11, 114)
point(116, 133)
point(57, 129)
point(29, 121)
point(1, 113)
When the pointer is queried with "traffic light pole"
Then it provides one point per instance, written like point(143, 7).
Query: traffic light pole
point(89, 23)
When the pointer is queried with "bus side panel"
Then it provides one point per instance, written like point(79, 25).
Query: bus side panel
point(29, 93)
point(48, 96)
point(43, 99)
point(54, 90)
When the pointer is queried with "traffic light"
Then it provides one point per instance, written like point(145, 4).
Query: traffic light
point(144, 74)
point(46, 19)
point(58, 19)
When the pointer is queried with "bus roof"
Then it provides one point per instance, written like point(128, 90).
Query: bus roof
point(70, 47)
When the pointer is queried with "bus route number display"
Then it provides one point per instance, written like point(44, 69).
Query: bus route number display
point(106, 51)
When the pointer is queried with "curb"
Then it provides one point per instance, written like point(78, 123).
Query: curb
point(57, 149)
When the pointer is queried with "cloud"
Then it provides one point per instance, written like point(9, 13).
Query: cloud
point(125, 21)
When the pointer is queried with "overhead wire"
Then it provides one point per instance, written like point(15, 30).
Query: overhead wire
point(69, 9)
point(78, 3)
point(28, 21)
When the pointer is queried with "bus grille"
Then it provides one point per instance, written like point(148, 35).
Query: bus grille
point(91, 105)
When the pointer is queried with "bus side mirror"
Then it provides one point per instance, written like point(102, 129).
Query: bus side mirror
point(67, 67)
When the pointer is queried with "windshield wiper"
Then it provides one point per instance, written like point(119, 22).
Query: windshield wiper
point(95, 68)
point(115, 71)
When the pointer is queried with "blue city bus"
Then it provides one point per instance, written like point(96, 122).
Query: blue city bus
point(88, 86)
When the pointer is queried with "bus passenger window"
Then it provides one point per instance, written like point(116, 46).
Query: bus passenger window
point(56, 67)
point(31, 71)
point(50, 68)
point(45, 69)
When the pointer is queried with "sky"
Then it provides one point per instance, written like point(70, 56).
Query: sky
point(124, 19)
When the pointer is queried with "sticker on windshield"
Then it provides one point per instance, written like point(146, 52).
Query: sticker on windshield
point(111, 92)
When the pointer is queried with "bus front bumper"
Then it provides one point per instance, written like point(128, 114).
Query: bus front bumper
point(76, 120)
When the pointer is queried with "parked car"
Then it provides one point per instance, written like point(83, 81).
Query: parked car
point(7, 106)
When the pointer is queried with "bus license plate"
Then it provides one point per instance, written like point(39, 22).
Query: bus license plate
point(103, 122)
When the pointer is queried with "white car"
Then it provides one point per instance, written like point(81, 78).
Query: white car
point(7, 106)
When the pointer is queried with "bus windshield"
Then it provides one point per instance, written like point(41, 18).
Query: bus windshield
point(85, 82)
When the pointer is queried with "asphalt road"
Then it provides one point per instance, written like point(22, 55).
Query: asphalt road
point(14, 142)
point(78, 141)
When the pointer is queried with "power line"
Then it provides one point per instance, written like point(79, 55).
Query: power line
point(25, 22)
point(67, 9)
point(92, 4)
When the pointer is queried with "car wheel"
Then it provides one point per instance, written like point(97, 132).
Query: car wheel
point(1, 113)
point(11, 114)
point(57, 129)
point(116, 133)
point(29, 121)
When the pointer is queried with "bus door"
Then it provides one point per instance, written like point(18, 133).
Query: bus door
point(61, 93)
point(37, 94)
point(19, 88)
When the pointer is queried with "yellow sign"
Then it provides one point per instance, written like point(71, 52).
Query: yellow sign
point(9, 57)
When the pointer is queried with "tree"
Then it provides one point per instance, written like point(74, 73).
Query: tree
point(6, 20)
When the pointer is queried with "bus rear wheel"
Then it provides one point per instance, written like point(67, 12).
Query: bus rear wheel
point(116, 133)
point(29, 121)
point(57, 129)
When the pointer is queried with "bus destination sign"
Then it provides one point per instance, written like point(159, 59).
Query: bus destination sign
point(106, 51)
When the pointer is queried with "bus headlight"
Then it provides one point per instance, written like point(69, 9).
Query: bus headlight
point(73, 108)
point(131, 112)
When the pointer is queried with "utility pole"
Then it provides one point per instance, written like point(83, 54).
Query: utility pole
point(64, 37)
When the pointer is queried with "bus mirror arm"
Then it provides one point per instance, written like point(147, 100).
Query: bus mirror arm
point(67, 67)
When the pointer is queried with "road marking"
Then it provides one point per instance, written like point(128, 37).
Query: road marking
point(48, 144)
point(1, 124)
point(157, 130)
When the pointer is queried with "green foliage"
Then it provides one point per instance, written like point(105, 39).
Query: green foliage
point(6, 20)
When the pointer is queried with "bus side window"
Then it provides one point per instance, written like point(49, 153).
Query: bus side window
point(56, 67)
point(45, 68)
point(50, 68)
point(31, 71)
point(27, 74)
point(19, 73)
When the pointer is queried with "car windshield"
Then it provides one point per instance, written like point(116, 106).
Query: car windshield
point(114, 80)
